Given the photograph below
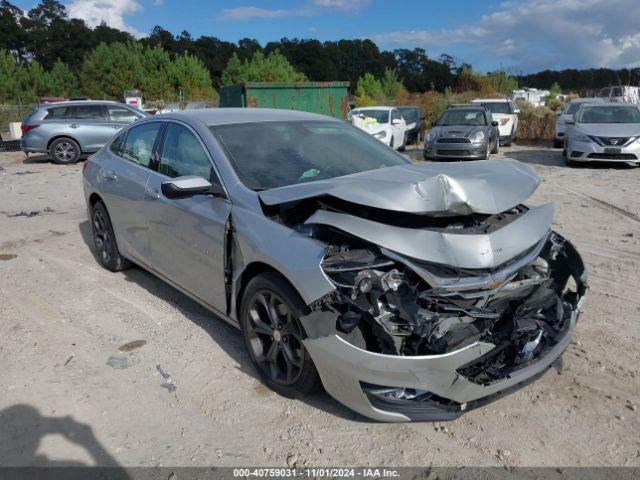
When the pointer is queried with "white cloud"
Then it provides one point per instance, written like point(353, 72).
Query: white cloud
point(575, 33)
point(251, 13)
point(112, 12)
point(316, 7)
point(344, 5)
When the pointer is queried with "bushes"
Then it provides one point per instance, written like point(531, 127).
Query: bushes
point(536, 123)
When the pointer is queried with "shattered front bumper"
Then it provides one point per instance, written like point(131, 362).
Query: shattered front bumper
point(344, 368)
point(356, 377)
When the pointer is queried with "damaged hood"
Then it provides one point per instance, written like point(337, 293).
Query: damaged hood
point(435, 189)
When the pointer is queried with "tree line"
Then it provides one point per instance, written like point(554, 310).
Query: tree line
point(60, 55)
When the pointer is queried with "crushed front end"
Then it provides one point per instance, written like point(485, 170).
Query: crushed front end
point(401, 339)
point(448, 288)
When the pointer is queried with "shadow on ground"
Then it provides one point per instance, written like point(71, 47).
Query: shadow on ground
point(220, 331)
point(22, 428)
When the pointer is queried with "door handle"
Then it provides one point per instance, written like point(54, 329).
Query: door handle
point(116, 126)
point(110, 175)
point(152, 193)
point(74, 125)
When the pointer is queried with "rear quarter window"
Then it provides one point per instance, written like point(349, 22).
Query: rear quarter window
point(56, 113)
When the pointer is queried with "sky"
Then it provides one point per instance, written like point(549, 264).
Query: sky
point(520, 36)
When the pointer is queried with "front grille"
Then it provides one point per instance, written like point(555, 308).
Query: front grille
point(576, 153)
point(453, 153)
point(613, 141)
point(454, 140)
point(613, 156)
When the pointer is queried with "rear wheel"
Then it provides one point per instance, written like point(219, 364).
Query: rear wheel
point(104, 240)
point(64, 151)
point(269, 316)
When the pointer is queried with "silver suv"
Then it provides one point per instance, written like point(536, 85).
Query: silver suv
point(67, 130)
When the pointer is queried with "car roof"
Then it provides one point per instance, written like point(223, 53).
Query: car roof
point(80, 102)
point(224, 116)
point(492, 100)
point(613, 104)
point(381, 107)
point(588, 100)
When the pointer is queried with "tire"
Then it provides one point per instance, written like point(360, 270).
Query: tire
point(391, 142)
point(509, 141)
point(104, 240)
point(64, 151)
point(273, 336)
point(557, 143)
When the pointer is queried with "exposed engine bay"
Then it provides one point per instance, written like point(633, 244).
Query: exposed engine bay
point(389, 308)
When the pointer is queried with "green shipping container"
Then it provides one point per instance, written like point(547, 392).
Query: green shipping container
point(326, 98)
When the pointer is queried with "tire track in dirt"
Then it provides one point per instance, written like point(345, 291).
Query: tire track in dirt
point(602, 203)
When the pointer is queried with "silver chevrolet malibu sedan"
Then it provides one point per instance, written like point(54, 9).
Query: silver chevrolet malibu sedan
point(409, 291)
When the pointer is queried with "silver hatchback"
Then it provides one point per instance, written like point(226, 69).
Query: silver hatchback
point(67, 130)
point(409, 291)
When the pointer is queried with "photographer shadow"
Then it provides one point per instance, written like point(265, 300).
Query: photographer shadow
point(22, 428)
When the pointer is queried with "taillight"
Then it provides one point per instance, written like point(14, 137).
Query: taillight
point(26, 128)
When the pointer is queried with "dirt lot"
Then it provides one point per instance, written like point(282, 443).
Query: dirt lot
point(63, 317)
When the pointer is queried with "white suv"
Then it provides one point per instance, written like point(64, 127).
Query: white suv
point(507, 117)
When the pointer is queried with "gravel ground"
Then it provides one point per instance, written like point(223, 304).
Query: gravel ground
point(189, 395)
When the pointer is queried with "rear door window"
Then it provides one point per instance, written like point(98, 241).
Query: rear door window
point(121, 114)
point(183, 154)
point(140, 142)
point(86, 112)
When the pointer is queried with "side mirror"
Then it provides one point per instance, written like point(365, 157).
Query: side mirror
point(516, 111)
point(494, 124)
point(570, 121)
point(189, 186)
point(396, 121)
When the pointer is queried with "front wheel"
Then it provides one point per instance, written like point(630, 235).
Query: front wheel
point(269, 316)
point(64, 151)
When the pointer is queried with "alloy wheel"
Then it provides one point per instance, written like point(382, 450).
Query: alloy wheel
point(274, 338)
point(65, 152)
point(102, 237)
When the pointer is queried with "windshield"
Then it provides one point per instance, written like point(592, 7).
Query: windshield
point(410, 114)
point(275, 154)
point(573, 107)
point(609, 114)
point(381, 116)
point(460, 116)
point(498, 107)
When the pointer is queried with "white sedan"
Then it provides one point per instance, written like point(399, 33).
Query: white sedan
point(384, 123)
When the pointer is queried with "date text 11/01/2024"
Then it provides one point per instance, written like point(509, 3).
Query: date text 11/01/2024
point(315, 472)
